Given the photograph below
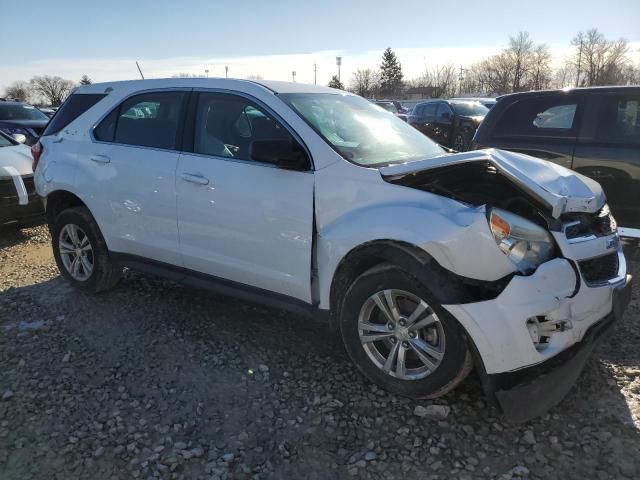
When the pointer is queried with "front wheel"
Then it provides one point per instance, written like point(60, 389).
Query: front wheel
point(400, 337)
point(81, 252)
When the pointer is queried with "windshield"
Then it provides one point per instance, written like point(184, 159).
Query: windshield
point(361, 132)
point(18, 111)
point(469, 109)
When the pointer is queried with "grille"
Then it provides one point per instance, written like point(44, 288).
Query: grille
point(599, 270)
point(598, 224)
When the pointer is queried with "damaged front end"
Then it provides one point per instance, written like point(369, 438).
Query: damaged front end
point(570, 283)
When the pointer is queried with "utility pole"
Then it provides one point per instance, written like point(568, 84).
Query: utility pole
point(293, 75)
point(226, 71)
point(339, 63)
point(315, 74)
point(460, 78)
point(206, 72)
point(579, 61)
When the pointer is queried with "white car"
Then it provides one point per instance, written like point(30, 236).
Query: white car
point(19, 202)
point(315, 200)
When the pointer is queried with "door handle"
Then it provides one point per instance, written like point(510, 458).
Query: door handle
point(100, 158)
point(195, 178)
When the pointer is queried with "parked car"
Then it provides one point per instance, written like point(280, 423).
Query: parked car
point(315, 200)
point(393, 107)
point(18, 118)
point(488, 102)
point(451, 123)
point(19, 202)
point(48, 111)
point(594, 131)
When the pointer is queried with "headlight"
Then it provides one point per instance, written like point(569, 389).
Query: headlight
point(526, 244)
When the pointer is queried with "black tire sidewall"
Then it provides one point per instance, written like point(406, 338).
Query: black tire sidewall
point(82, 218)
point(393, 277)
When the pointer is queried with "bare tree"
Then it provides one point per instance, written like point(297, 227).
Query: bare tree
point(85, 80)
point(540, 75)
point(364, 82)
point(19, 91)
point(53, 89)
point(599, 61)
point(519, 57)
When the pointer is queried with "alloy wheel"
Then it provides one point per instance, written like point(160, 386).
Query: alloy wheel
point(76, 252)
point(401, 334)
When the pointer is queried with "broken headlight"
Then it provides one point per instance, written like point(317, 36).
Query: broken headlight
point(526, 244)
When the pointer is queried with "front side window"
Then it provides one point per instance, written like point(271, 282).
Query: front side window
point(359, 131)
point(470, 109)
point(619, 120)
point(444, 111)
point(146, 120)
point(227, 125)
point(551, 116)
point(20, 111)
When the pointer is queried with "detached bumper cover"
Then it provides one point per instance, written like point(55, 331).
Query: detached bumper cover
point(530, 392)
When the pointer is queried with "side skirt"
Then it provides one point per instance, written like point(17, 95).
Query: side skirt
point(219, 285)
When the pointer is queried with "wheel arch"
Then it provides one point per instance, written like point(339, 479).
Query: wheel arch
point(60, 200)
point(449, 287)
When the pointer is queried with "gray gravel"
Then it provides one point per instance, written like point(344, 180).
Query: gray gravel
point(153, 380)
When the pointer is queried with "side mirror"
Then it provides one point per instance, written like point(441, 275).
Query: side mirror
point(19, 137)
point(283, 153)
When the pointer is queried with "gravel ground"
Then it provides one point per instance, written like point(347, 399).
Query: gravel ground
point(153, 380)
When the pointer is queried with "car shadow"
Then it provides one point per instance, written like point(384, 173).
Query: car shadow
point(237, 367)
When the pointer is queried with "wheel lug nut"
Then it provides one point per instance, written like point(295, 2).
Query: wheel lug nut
point(390, 326)
point(402, 323)
point(405, 344)
point(393, 340)
point(412, 334)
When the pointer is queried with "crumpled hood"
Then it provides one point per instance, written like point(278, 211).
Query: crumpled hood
point(563, 190)
point(18, 157)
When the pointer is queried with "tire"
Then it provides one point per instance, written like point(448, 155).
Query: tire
point(462, 140)
point(420, 378)
point(103, 273)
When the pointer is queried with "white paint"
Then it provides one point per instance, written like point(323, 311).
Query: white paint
point(252, 223)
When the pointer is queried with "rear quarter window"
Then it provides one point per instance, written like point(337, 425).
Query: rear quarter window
point(72, 108)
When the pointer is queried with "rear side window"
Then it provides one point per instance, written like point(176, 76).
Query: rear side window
point(146, 120)
point(539, 116)
point(429, 110)
point(72, 108)
point(619, 120)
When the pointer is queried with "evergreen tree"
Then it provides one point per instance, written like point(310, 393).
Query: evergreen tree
point(85, 80)
point(335, 83)
point(390, 73)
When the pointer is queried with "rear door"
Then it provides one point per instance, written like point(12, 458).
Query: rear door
point(543, 126)
point(428, 116)
point(443, 124)
point(608, 150)
point(134, 159)
point(240, 219)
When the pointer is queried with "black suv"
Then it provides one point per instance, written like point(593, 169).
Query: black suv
point(450, 123)
point(595, 131)
point(18, 118)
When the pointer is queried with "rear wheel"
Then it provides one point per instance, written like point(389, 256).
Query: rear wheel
point(400, 337)
point(81, 253)
point(462, 140)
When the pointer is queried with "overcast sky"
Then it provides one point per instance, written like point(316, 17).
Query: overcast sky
point(272, 38)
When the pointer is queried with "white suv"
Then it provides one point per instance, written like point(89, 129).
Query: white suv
point(318, 201)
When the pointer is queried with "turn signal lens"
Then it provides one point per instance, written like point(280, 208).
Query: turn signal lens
point(499, 226)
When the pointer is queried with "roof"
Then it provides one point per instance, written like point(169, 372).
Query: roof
point(569, 91)
point(225, 83)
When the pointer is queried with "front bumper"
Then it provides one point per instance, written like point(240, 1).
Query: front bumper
point(527, 393)
point(19, 202)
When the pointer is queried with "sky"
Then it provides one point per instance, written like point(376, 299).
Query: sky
point(273, 38)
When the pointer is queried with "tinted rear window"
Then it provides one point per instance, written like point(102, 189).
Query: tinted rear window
point(548, 115)
point(71, 109)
